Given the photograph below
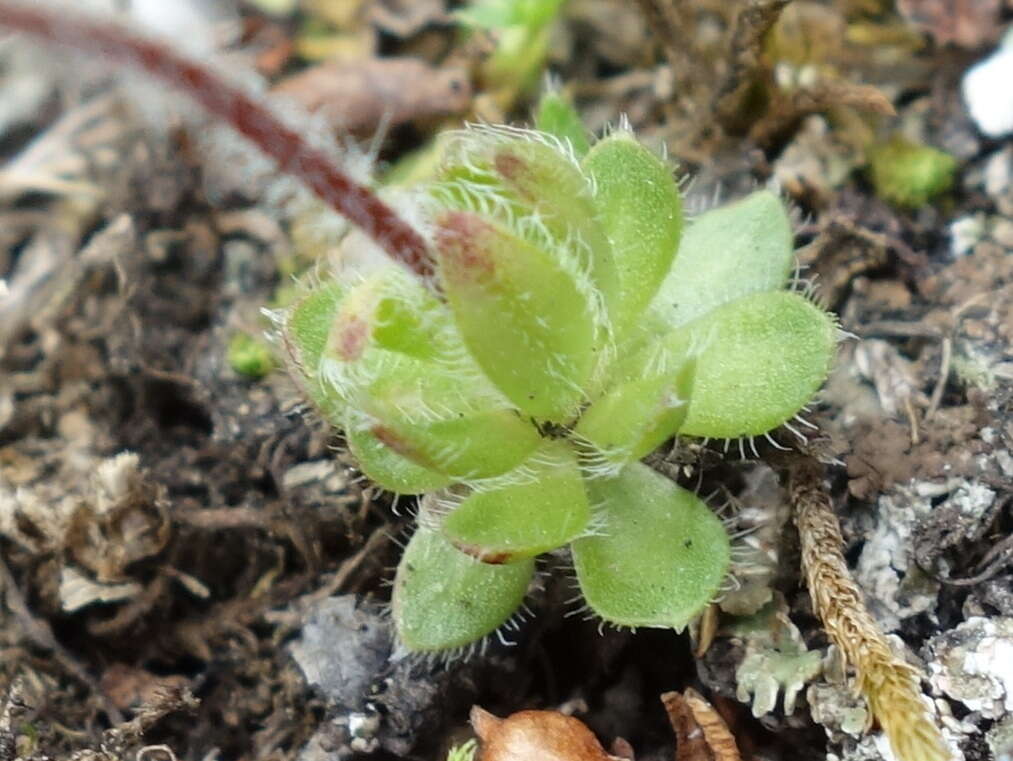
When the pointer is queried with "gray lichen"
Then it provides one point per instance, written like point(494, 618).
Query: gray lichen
point(776, 660)
point(895, 588)
point(974, 664)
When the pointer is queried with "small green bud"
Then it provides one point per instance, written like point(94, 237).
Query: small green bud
point(557, 116)
point(910, 174)
point(250, 356)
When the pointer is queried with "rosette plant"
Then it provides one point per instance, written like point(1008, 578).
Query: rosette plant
point(571, 323)
point(563, 327)
point(546, 325)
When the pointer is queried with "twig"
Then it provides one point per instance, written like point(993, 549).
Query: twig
point(251, 118)
point(348, 566)
point(666, 26)
point(944, 374)
point(889, 684)
point(752, 23)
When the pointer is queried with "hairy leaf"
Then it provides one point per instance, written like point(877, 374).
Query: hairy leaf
point(760, 360)
point(661, 556)
point(640, 210)
point(444, 599)
point(543, 510)
point(557, 116)
point(304, 333)
point(634, 418)
point(726, 253)
point(523, 316)
point(428, 417)
point(386, 467)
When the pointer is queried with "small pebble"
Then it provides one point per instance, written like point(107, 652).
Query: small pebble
point(999, 171)
point(1002, 233)
point(987, 93)
point(965, 232)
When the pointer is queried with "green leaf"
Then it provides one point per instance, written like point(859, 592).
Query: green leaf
point(640, 209)
point(728, 252)
point(531, 186)
point(634, 418)
point(393, 311)
point(383, 466)
point(561, 197)
point(304, 334)
point(444, 599)
point(557, 116)
point(662, 554)
point(441, 420)
point(497, 14)
point(465, 752)
point(477, 446)
point(760, 360)
point(523, 316)
point(543, 510)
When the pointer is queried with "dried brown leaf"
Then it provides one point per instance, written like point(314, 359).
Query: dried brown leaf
point(130, 687)
point(788, 109)
point(701, 733)
point(536, 736)
point(751, 26)
point(404, 18)
point(356, 97)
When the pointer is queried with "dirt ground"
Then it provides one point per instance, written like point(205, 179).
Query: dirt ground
point(191, 566)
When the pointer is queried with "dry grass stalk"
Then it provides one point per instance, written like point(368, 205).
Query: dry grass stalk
point(888, 683)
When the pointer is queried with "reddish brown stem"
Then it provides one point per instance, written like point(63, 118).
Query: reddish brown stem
point(254, 120)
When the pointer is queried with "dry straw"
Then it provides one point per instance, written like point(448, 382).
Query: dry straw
point(888, 683)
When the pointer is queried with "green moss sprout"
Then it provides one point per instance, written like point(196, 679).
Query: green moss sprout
point(910, 174)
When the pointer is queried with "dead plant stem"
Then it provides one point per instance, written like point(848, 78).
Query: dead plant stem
point(889, 684)
point(248, 115)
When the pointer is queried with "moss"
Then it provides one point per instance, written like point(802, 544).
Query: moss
point(250, 356)
point(910, 174)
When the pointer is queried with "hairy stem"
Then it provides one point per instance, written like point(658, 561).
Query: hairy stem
point(888, 683)
point(248, 116)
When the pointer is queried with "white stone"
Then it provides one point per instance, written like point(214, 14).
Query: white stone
point(965, 233)
point(999, 171)
point(988, 95)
